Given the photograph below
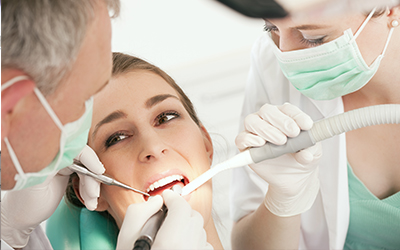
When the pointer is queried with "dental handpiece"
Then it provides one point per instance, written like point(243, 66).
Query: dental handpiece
point(103, 179)
point(321, 130)
point(152, 225)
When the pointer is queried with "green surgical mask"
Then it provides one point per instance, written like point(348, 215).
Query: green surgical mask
point(331, 70)
point(73, 139)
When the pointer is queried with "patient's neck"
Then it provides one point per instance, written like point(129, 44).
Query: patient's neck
point(212, 235)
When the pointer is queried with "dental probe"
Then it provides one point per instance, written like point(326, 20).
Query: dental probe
point(152, 225)
point(103, 179)
point(321, 130)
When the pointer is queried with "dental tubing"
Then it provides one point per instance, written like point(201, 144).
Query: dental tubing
point(321, 130)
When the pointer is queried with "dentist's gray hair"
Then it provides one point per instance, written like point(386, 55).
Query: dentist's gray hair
point(43, 37)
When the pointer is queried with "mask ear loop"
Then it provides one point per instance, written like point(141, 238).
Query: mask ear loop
point(14, 159)
point(49, 110)
point(12, 81)
point(363, 25)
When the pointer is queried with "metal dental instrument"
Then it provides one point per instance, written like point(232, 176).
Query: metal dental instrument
point(152, 225)
point(103, 179)
point(322, 130)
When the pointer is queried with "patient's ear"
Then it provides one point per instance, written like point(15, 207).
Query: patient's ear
point(208, 143)
point(102, 204)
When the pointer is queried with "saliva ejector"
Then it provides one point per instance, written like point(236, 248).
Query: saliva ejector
point(321, 130)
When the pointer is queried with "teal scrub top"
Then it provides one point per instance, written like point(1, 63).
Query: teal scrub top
point(374, 223)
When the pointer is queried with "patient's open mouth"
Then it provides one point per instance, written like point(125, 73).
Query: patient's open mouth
point(160, 185)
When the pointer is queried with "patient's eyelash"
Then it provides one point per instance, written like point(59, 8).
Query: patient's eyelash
point(165, 117)
point(115, 138)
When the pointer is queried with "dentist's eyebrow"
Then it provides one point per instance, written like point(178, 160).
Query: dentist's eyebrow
point(157, 99)
point(116, 115)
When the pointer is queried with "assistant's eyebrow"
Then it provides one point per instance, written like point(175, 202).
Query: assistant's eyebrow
point(300, 27)
point(310, 27)
point(157, 99)
point(109, 118)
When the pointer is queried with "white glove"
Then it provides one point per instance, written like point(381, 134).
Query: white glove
point(183, 226)
point(135, 217)
point(23, 210)
point(292, 178)
point(89, 188)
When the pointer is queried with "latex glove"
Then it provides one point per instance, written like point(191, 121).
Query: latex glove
point(23, 210)
point(183, 226)
point(292, 178)
point(135, 218)
point(89, 188)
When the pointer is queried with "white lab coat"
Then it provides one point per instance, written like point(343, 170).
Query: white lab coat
point(325, 225)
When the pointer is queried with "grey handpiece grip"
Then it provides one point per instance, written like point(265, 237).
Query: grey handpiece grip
point(152, 226)
point(269, 150)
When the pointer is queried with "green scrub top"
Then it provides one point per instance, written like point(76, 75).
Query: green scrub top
point(374, 223)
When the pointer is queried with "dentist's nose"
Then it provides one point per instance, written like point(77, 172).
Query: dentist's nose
point(153, 147)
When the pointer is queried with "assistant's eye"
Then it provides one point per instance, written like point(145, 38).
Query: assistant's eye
point(313, 42)
point(115, 138)
point(165, 117)
point(269, 28)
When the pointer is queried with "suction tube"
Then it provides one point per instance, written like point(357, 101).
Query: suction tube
point(322, 130)
point(329, 127)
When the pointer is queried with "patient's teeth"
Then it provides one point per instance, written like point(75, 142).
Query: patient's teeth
point(164, 181)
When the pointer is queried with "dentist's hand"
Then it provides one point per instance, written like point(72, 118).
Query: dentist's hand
point(182, 228)
point(23, 210)
point(89, 188)
point(292, 178)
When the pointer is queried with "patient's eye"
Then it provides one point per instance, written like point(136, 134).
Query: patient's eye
point(115, 138)
point(165, 117)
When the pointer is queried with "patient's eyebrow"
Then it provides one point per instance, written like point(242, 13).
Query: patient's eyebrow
point(109, 118)
point(157, 99)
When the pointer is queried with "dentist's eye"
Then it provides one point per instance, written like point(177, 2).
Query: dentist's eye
point(165, 117)
point(115, 138)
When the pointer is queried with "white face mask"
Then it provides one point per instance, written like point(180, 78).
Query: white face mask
point(72, 140)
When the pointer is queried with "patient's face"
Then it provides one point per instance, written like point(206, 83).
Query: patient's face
point(146, 139)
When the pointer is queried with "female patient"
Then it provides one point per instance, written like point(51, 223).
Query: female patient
point(147, 134)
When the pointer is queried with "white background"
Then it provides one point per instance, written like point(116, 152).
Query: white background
point(206, 48)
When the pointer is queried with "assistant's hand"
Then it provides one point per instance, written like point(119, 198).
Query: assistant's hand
point(89, 188)
point(23, 210)
point(292, 178)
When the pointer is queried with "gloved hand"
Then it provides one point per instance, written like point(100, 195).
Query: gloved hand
point(89, 188)
point(135, 217)
point(182, 228)
point(292, 178)
point(23, 210)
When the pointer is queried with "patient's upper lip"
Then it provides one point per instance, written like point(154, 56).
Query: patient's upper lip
point(162, 175)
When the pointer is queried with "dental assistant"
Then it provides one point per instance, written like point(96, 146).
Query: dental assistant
point(344, 192)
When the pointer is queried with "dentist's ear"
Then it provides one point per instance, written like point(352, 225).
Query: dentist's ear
point(10, 97)
point(207, 142)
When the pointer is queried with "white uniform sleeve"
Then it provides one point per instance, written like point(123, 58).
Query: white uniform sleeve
point(248, 189)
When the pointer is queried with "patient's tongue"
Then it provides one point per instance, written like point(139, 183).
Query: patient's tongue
point(161, 189)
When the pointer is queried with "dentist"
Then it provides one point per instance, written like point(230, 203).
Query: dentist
point(55, 56)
